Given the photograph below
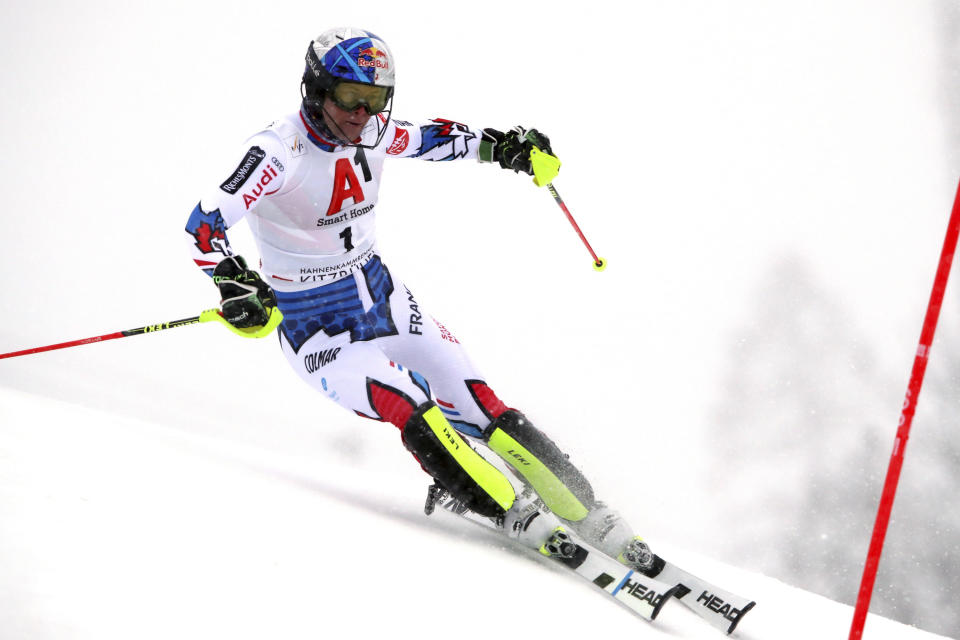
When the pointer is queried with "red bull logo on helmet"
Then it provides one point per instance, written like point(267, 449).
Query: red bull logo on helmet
point(373, 57)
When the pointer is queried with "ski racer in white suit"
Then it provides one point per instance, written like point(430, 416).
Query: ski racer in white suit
point(308, 186)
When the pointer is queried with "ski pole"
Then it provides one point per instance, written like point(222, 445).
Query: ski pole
point(545, 169)
point(599, 264)
point(210, 315)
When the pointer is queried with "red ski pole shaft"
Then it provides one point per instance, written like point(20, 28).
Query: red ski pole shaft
point(906, 420)
point(108, 336)
point(598, 263)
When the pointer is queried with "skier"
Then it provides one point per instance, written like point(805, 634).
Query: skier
point(308, 187)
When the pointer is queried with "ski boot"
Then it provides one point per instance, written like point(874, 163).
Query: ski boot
point(606, 529)
point(527, 521)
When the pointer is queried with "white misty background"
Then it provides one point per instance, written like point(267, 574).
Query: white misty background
point(770, 184)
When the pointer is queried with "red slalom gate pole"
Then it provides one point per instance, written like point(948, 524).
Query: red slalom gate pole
point(906, 420)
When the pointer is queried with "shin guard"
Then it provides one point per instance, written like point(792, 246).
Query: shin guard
point(454, 464)
point(541, 463)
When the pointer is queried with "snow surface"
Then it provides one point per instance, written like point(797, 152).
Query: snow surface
point(118, 527)
point(189, 486)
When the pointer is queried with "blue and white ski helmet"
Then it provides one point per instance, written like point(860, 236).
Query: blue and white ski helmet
point(348, 54)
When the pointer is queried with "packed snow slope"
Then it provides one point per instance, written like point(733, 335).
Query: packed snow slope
point(119, 527)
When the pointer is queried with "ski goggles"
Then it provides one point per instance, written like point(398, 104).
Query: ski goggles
point(350, 95)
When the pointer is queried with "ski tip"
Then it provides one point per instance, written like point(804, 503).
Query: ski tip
point(666, 597)
point(743, 612)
